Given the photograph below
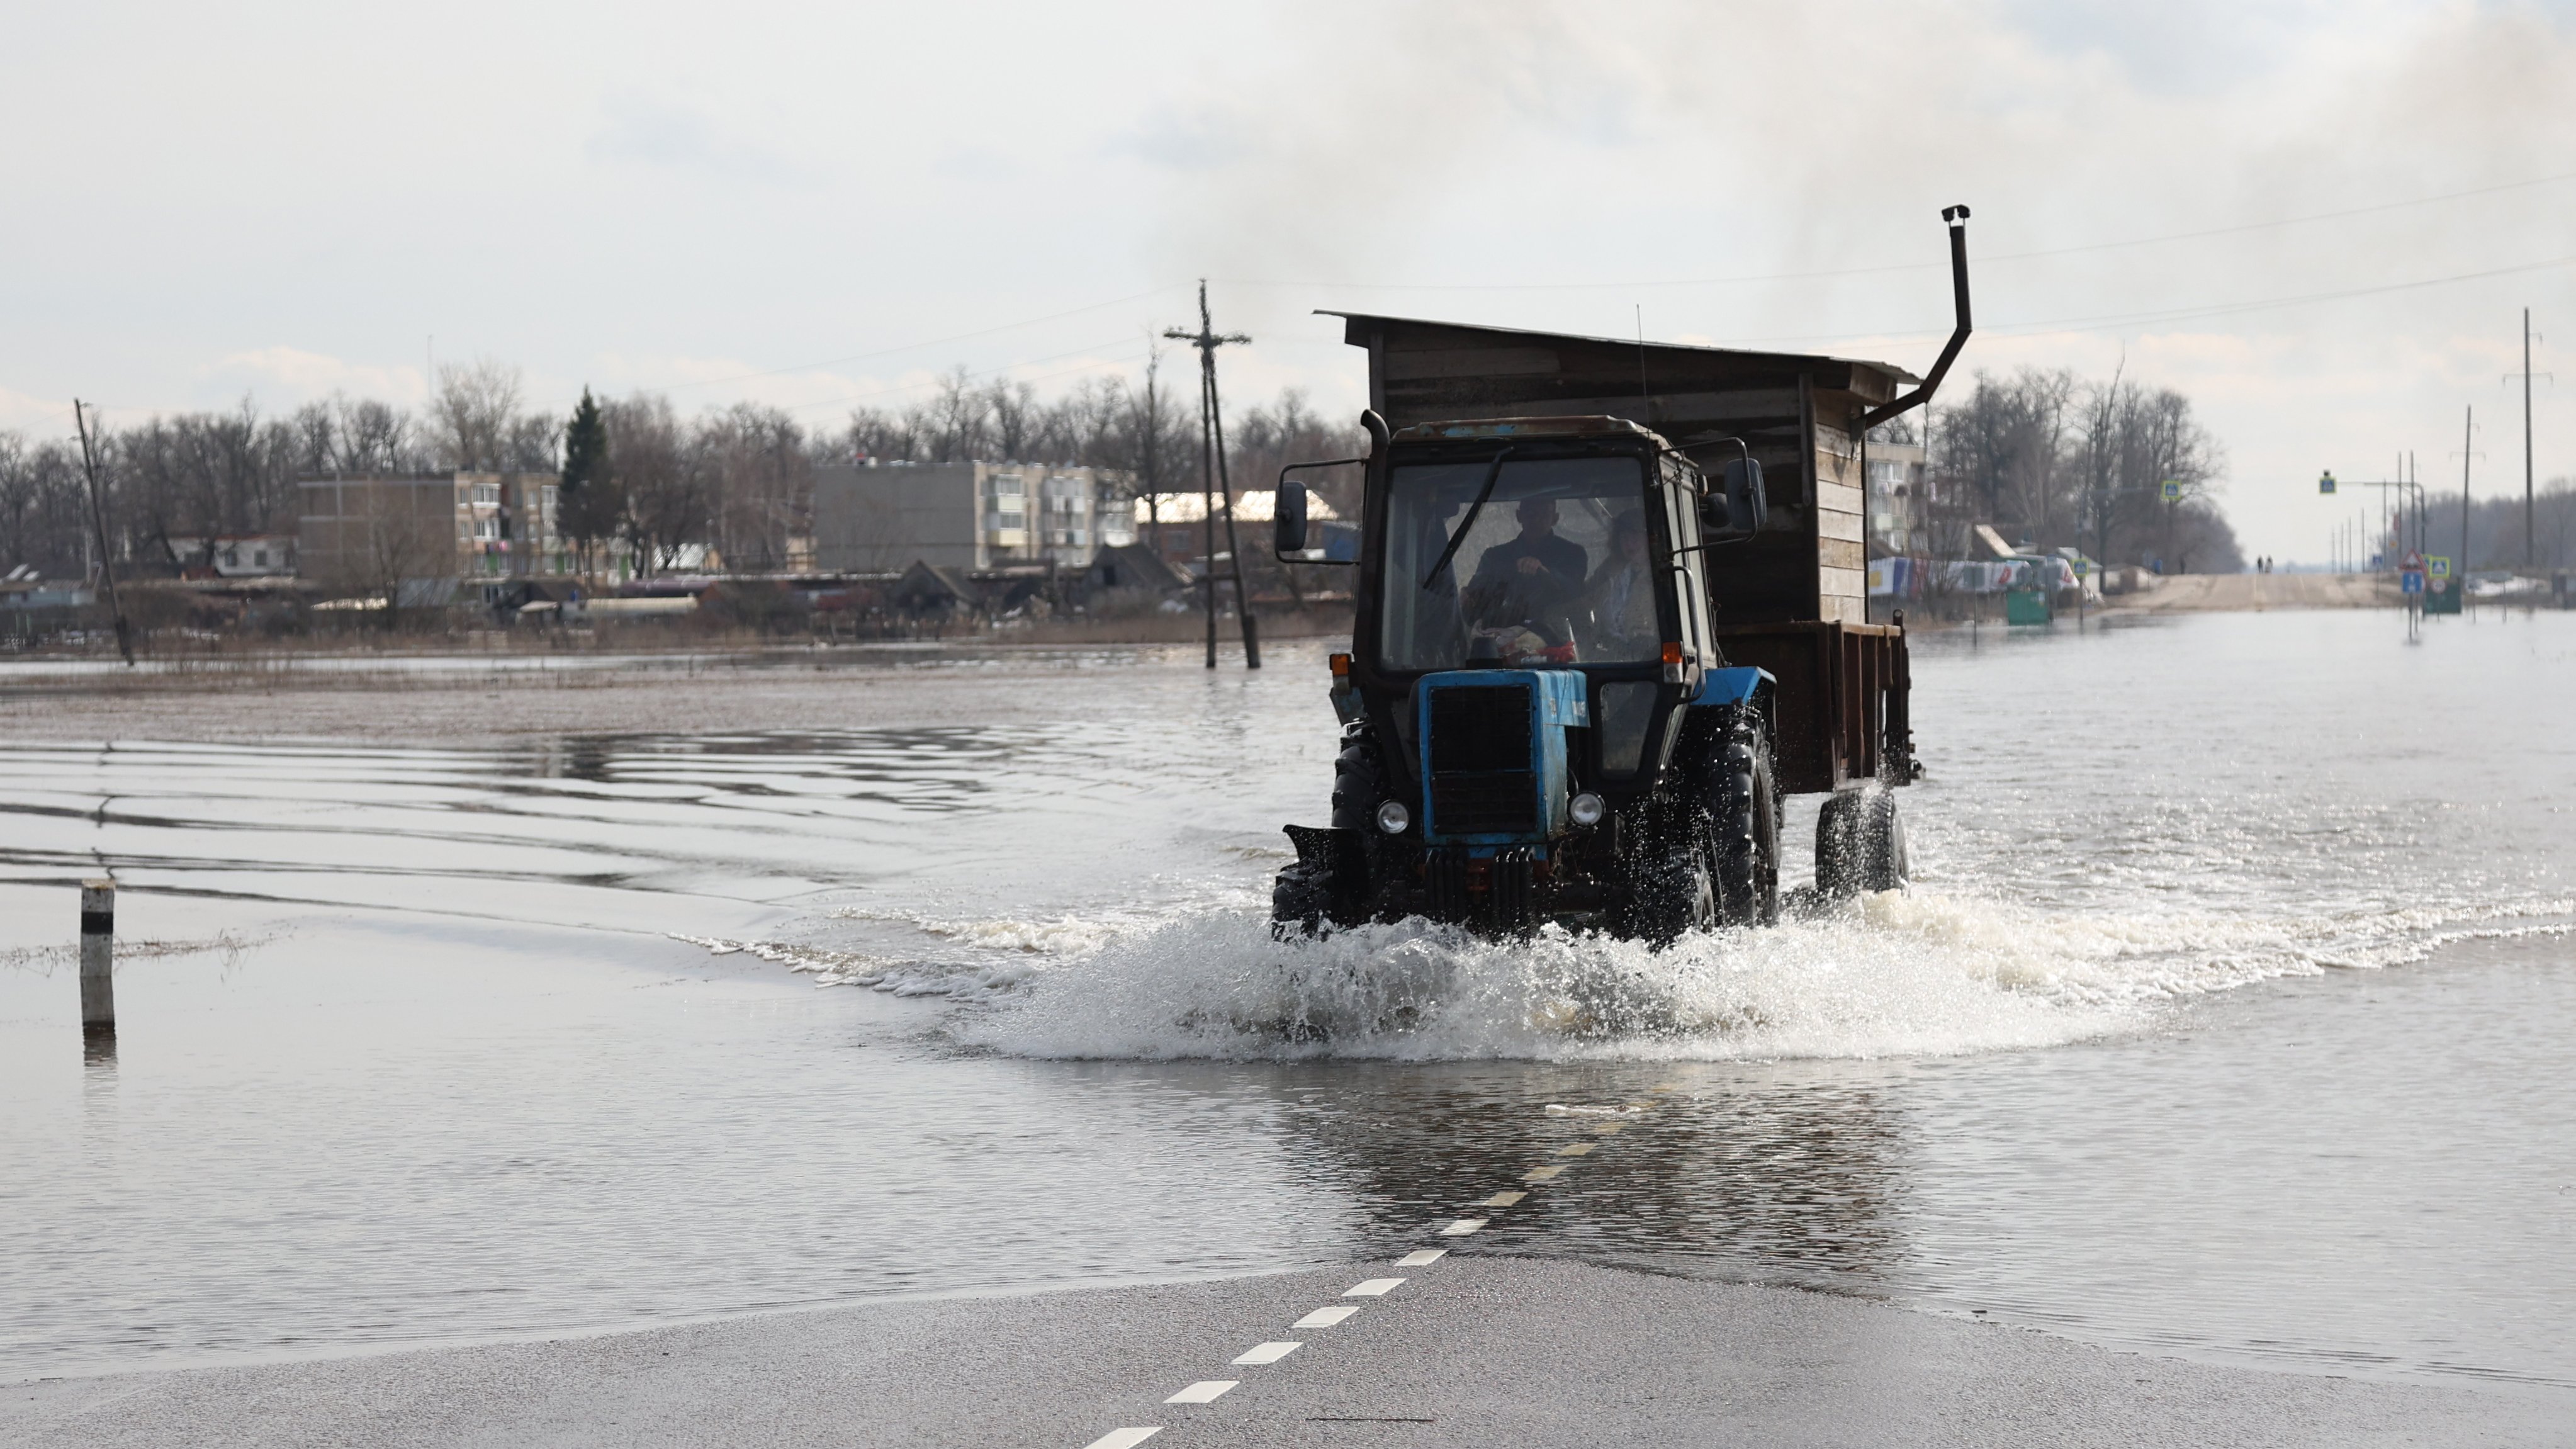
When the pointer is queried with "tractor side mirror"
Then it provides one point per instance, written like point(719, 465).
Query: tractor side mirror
point(1738, 508)
point(1744, 497)
point(1288, 519)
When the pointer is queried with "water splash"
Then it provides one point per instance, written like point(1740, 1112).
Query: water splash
point(1917, 973)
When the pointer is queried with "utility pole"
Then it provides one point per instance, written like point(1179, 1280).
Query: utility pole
point(2411, 503)
point(2530, 517)
point(98, 522)
point(2468, 444)
point(1214, 482)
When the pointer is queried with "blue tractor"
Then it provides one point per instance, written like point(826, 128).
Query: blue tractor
point(1610, 610)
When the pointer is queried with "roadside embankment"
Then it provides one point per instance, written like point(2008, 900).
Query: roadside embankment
point(2254, 593)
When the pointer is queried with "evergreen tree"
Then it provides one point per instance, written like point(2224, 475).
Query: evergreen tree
point(586, 505)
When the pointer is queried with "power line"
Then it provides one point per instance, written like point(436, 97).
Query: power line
point(2241, 227)
point(2180, 314)
point(1127, 355)
point(916, 346)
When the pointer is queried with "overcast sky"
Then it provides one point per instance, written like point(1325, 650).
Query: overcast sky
point(817, 205)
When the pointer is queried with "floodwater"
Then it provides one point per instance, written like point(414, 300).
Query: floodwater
point(2228, 1018)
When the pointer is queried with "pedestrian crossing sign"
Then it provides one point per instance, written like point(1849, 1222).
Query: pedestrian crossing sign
point(2325, 483)
point(2438, 566)
point(2173, 490)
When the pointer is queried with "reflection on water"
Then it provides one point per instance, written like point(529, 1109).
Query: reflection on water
point(1767, 1176)
point(416, 1046)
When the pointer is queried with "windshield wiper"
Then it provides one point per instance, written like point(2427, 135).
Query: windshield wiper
point(1493, 474)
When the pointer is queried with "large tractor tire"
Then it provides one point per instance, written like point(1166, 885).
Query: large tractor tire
point(1860, 843)
point(1301, 901)
point(1359, 782)
point(1674, 895)
point(1744, 828)
point(1328, 886)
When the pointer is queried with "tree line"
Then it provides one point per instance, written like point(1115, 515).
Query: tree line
point(737, 480)
point(2055, 460)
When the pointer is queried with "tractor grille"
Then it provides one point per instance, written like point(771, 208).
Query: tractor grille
point(1480, 761)
point(1484, 804)
point(1480, 728)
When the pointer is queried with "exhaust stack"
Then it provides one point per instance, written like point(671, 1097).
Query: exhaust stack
point(1957, 217)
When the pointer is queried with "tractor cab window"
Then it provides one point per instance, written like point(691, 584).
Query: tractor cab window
point(1555, 568)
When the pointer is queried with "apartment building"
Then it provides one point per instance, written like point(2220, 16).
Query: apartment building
point(883, 518)
point(367, 531)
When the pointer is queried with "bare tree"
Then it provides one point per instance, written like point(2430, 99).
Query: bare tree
point(42, 523)
point(882, 436)
point(1156, 442)
point(756, 460)
point(476, 423)
point(662, 479)
point(1011, 408)
point(371, 437)
point(960, 418)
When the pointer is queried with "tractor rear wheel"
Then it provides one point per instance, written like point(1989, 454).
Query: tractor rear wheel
point(1860, 843)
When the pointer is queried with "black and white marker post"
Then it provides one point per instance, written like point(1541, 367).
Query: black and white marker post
point(98, 963)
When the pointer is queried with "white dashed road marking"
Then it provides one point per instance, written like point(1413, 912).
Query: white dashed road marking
point(1208, 1391)
point(1205, 1391)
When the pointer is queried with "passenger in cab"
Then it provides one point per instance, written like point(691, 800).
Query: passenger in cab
point(1617, 612)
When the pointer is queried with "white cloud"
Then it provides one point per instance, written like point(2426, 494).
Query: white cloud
point(282, 377)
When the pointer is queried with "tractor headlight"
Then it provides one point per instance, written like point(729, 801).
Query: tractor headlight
point(1392, 817)
point(1586, 808)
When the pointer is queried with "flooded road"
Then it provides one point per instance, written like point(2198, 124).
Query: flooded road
point(2227, 1019)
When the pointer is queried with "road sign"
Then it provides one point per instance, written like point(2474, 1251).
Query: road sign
point(2173, 490)
point(2411, 581)
point(2414, 563)
point(2325, 483)
point(2438, 566)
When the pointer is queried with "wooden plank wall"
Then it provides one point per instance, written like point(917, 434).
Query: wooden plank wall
point(1842, 563)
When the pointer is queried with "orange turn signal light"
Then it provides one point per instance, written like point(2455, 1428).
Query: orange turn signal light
point(1672, 654)
point(1341, 665)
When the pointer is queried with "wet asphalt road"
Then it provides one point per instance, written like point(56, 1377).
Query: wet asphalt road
point(1468, 1351)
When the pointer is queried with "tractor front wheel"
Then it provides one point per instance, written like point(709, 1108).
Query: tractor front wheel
point(1744, 820)
point(1675, 894)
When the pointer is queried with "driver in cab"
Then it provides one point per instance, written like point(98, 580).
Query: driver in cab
point(1516, 601)
point(1539, 560)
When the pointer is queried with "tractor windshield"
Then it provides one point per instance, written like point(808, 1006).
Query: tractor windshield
point(1557, 567)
